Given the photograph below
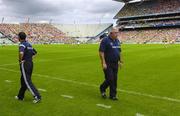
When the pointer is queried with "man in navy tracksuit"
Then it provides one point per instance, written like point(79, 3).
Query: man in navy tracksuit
point(110, 55)
point(26, 52)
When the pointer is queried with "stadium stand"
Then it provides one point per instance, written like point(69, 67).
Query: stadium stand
point(149, 21)
point(36, 33)
point(149, 7)
point(150, 36)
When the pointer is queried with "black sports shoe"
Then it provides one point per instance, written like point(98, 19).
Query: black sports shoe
point(113, 98)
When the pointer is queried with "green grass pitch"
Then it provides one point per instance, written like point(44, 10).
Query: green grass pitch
point(148, 84)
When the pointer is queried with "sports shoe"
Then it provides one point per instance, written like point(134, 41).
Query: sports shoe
point(113, 98)
point(17, 98)
point(36, 100)
point(103, 94)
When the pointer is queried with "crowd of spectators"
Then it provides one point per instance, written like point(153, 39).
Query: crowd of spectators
point(36, 33)
point(149, 7)
point(150, 36)
point(154, 23)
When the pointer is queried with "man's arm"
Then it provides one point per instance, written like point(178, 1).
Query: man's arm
point(34, 52)
point(21, 54)
point(103, 62)
point(120, 60)
point(101, 53)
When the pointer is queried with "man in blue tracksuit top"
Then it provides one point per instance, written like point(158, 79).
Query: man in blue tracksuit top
point(110, 55)
point(26, 52)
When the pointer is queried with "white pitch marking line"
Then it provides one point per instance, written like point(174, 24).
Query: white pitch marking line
point(92, 85)
point(67, 96)
point(138, 114)
point(149, 95)
point(103, 106)
point(43, 90)
point(124, 91)
point(8, 81)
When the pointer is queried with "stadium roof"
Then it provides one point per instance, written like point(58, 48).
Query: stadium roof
point(129, 1)
point(123, 0)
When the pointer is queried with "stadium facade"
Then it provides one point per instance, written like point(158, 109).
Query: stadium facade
point(84, 32)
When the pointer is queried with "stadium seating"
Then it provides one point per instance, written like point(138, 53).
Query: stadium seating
point(47, 33)
point(150, 36)
point(150, 21)
point(154, 23)
point(149, 7)
point(36, 33)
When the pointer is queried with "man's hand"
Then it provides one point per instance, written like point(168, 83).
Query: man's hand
point(21, 54)
point(104, 66)
point(20, 62)
point(33, 56)
point(120, 63)
point(103, 62)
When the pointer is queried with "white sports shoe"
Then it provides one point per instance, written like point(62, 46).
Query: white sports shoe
point(17, 98)
point(36, 100)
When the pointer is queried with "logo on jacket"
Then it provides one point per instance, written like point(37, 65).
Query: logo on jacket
point(111, 44)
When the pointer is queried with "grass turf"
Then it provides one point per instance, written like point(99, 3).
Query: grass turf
point(71, 70)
